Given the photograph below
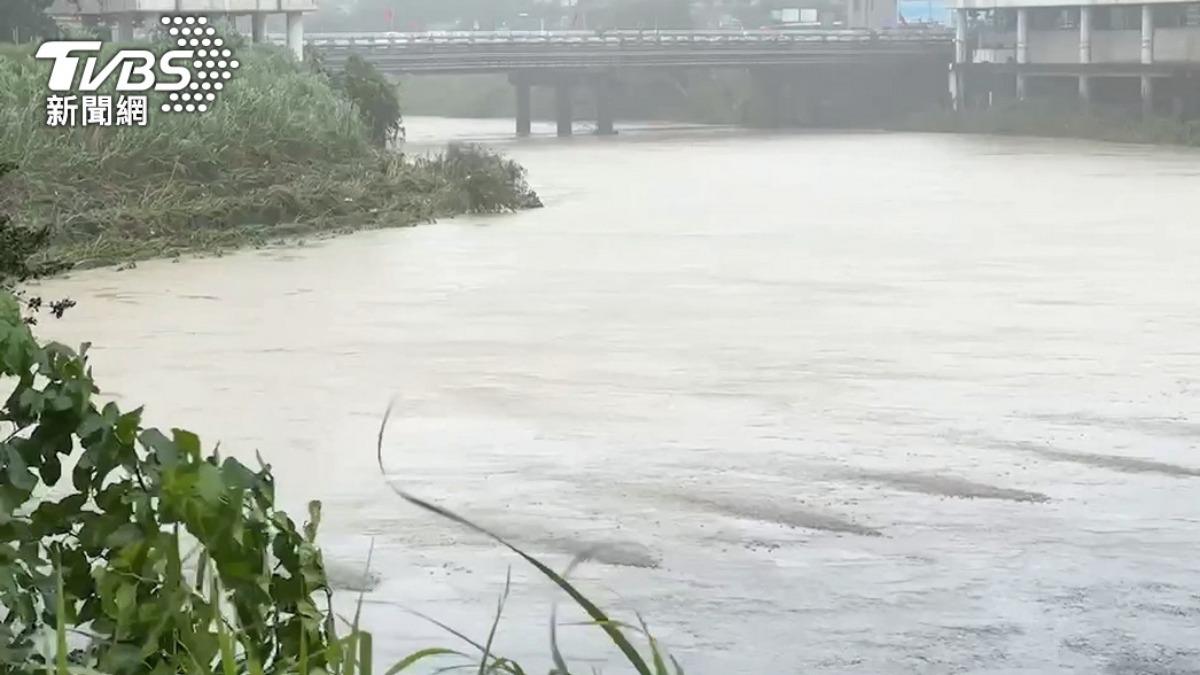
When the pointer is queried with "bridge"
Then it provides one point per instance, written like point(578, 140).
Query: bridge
point(564, 58)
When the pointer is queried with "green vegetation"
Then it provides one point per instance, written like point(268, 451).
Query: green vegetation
point(283, 152)
point(1057, 119)
point(153, 556)
point(18, 246)
point(25, 21)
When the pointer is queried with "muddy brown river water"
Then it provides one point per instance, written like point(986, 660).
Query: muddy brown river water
point(837, 403)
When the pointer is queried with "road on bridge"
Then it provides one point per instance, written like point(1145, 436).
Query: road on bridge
point(481, 52)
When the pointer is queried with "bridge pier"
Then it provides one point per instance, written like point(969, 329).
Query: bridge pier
point(604, 107)
point(768, 92)
point(295, 34)
point(258, 28)
point(562, 108)
point(524, 107)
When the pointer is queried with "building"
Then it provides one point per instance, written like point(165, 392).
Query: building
point(1116, 51)
point(795, 14)
point(127, 16)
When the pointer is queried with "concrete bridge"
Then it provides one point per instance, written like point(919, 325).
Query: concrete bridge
point(563, 59)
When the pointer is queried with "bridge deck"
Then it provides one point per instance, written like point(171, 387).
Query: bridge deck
point(507, 51)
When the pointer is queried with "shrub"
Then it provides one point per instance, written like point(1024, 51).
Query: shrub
point(101, 554)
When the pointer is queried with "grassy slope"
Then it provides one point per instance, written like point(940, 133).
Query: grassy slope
point(280, 153)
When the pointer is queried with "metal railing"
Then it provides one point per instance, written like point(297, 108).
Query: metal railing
point(618, 38)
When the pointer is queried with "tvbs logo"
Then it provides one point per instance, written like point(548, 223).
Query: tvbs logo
point(191, 75)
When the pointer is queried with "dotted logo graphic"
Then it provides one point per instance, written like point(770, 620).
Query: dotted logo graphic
point(212, 63)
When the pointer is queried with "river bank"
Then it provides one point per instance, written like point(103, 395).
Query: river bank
point(282, 154)
point(1051, 119)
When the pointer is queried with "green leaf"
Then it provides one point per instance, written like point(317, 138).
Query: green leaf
point(164, 449)
point(60, 614)
point(416, 657)
point(187, 443)
point(10, 310)
point(19, 474)
point(210, 487)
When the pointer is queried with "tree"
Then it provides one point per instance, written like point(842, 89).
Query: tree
point(26, 21)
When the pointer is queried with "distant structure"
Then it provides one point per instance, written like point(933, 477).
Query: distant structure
point(871, 14)
point(924, 12)
point(1111, 51)
point(127, 16)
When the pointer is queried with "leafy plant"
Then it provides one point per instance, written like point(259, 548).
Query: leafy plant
point(480, 180)
point(374, 97)
point(112, 536)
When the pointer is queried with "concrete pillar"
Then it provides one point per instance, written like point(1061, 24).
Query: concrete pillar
point(562, 108)
point(258, 28)
point(1085, 34)
point(524, 107)
point(604, 110)
point(295, 34)
point(1147, 58)
point(1023, 35)
point(1147, 33)
point(124, 28)
point(767, 95)
point(1085, 53)
point(960, 35)
point(1022, 49)
point(956, 82)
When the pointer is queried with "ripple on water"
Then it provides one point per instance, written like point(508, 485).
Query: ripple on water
point(1114, 462)
point(947, 486)
point(774, 512)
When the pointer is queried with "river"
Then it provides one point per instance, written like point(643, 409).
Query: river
point(838, 403)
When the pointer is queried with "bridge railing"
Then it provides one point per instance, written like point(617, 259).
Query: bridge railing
point(620, 37)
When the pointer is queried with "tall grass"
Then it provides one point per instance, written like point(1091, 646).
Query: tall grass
point(280, 147)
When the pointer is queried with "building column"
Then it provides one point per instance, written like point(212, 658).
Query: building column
point(1147, 58)
point(956, 82)
point(1022, 35)
point(1147, 33)
point(1085, 53)
point(524, 107)
point(562, 108)
point(258, 28)
point(960, 35)
point(1085, 34)
point(295, 34)
point(124, 28)
point(1022, 49)
point(960, 57)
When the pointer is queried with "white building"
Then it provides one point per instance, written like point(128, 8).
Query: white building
point(1121, 45)
point(125, 15)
